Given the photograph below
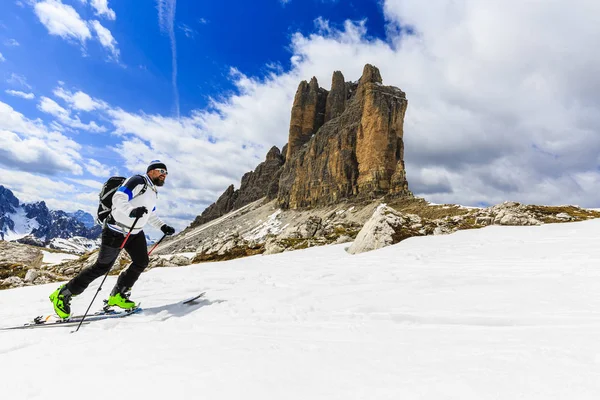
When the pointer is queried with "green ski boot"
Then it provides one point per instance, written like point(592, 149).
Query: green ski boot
point(120, 300)
point(61, 300)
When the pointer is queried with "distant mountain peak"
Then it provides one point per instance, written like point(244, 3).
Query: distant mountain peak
point(8, 201)
point(36, 221)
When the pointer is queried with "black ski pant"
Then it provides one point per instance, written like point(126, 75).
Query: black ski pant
point(136, 247)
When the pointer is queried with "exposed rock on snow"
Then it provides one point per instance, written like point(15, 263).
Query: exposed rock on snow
point(384, 228)
point(510, 213)
point(180, 261)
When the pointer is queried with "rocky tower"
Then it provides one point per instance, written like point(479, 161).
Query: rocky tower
point(357, 153)
point(308, 114)
point(336, 99)
point(345, 143)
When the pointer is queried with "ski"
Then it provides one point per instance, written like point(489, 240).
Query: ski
point(52, 321)
point(193, 299)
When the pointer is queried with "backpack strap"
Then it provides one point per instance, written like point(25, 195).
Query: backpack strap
point(109, 193)
point(144, 188)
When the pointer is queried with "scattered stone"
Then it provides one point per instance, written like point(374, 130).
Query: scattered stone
point(31, 275)
point(180, 261)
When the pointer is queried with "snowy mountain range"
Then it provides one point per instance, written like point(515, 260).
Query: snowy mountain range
point(37, 225)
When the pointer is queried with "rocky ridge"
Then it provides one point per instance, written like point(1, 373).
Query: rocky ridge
point(263, 181)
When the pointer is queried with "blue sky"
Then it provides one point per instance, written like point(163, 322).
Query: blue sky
point(502, 100)
point(252, 37)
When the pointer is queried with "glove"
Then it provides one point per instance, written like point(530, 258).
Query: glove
point(138, 212)
point(167, 230)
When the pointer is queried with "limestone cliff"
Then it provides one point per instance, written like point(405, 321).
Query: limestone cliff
point(344, 144)
point(357, 153)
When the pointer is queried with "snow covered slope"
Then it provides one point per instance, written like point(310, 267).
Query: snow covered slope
point(495, 313)
point(75, 244)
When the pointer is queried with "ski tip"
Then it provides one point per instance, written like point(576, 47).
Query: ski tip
point(189, 301)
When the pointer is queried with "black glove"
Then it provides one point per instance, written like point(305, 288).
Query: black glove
point(138, 212)
point(167, 230)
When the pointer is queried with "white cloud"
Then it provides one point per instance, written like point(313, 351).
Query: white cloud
point(106, 38)
point(101, 9)
point(2, 58)
point(51, 107)
point(18, 93)
point(98, 169)
point(58, 195)
point(62, 20)
point(27, 145)
point(11, 43)
point(18, 80)
point(78, 100)
point(166, 19)
point(96, 185)
point(189, 32)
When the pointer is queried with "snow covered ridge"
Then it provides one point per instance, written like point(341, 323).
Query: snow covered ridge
point(76, 244)
point(262, 228)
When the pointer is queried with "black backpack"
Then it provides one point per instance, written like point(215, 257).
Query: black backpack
point(106, 196)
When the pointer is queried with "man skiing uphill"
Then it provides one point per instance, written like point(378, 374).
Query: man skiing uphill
point(134, 200)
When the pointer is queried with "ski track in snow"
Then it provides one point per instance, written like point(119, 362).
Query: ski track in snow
point(496, 313)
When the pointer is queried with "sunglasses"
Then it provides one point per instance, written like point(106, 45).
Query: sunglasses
point(162, 171)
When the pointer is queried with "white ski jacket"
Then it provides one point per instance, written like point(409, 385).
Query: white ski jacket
point(131, 195)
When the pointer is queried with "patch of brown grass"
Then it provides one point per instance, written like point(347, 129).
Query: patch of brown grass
point(404, 233)
point(546, 214)
point(8, 270)
point(294, 243)
point(236, 252)
point(421, 208)
point(340, 231)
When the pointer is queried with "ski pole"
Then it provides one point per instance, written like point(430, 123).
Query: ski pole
point(157, 243)
point(102, 283)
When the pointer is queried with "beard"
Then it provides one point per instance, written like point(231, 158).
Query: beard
point(158, 181)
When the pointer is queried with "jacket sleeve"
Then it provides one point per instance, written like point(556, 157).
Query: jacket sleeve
point(121, 207)
point(154, 220)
